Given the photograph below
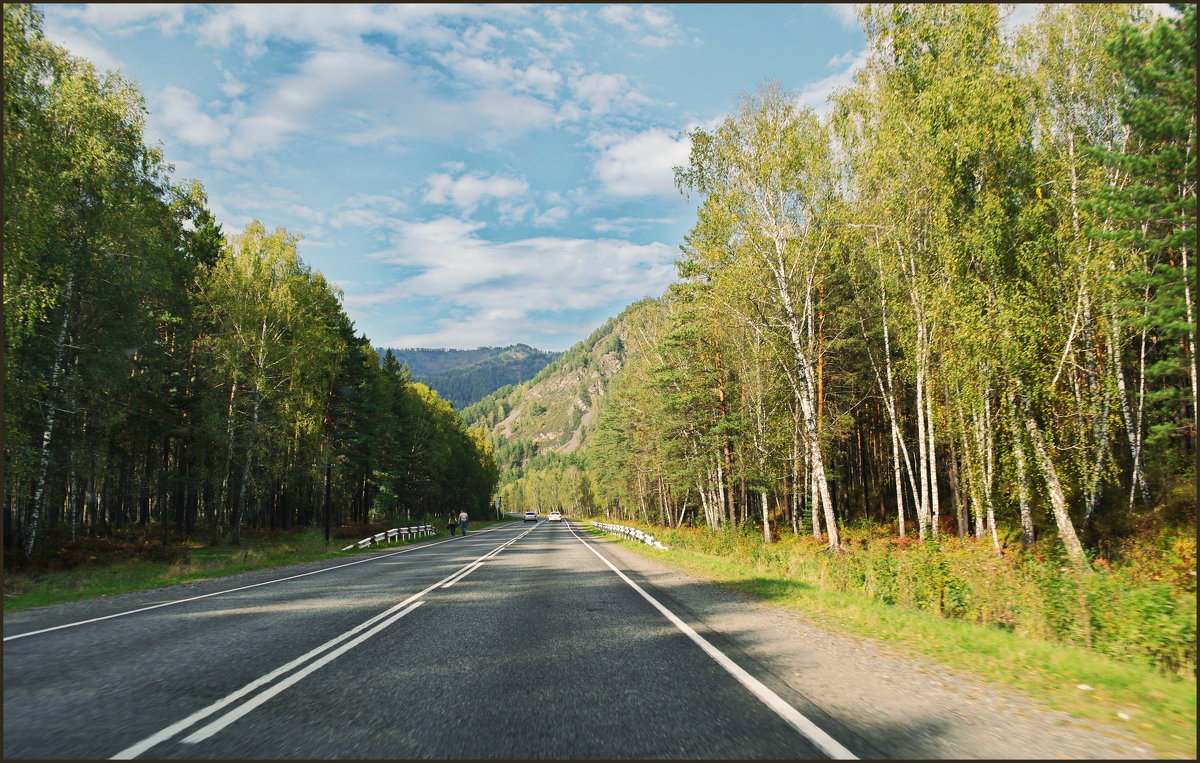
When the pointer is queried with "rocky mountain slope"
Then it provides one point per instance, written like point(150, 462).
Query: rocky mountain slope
point(555, 411)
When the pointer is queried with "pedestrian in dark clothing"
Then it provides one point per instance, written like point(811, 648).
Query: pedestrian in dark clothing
point(452, 524)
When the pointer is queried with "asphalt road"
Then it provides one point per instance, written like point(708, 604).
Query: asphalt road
point(514, 642)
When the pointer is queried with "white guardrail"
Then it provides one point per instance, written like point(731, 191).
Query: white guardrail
point(394, 534)
point(630, 533)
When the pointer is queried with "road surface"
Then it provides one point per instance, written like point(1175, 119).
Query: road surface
point(516, 642)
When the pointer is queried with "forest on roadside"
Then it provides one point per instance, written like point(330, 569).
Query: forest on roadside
point(947, 332)
point(165, 377)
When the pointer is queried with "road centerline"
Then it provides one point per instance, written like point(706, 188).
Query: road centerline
point(235, 590)
point(214, 726)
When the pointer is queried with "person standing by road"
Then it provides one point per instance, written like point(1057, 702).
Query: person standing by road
point(462, 521)
point(452, 524)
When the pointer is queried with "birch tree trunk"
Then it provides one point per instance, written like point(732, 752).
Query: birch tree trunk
point(1058, 500)
point(766, 518)
point(37, 504)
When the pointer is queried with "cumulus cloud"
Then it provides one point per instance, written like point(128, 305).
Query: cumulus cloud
point(603, 93)
point(655, 24)
point(180, 113)
point(468, 191)
point(124, 18)
point(472, 276)
point(641, 164)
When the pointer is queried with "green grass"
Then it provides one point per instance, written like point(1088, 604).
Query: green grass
point(23, 591)
point(1161, 710)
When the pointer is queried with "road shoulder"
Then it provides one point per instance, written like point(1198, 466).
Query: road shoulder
point(874, 690)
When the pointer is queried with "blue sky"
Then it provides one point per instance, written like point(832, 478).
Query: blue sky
point(467, 174)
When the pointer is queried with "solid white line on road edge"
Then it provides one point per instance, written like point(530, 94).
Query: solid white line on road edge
point(242, 588)
point(205, 732)
point(137, 749)
point(815, 734)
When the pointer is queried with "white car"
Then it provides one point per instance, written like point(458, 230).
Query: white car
point(530, 516)
point(555, 516)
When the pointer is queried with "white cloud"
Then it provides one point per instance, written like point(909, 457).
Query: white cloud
point(361, 217)
point(816, 95)
point(78, 44)
point(627, 225)
point(621, 15)
point(846, 13)
point(641, 165)
point(602, 93)
point(470, 190)
point(325, 92)
point(550, 218)
point(387, 203)
point(842, 59)
point(478, 281)
point(232, 87)
point(124, 18)
point(335, 25)
point(259, 199)
point(505, 112)
point(180, 113)
point(655, 24)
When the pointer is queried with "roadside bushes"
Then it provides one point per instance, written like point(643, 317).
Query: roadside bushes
point(84, 551)
point(1143, 610)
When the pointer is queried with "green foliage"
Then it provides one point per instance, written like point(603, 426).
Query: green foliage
point(1121, 612)
point(1153, 211)
point(159, 372)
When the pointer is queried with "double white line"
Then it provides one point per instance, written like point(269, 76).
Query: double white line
point(352, 637)
point(373, 558)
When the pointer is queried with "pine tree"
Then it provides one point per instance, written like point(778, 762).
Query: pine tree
point(1155, 212)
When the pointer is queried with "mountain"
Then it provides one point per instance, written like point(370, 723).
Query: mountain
point(466, 376)
point(555, 411)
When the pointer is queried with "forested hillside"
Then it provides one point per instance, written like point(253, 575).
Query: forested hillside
point(958, 309)
point(467, 376)
point(162, 373)
point(553, 414)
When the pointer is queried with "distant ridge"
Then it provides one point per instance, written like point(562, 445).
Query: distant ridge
point(464, 377)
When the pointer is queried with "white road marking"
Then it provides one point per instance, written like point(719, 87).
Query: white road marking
point(242, 588)
point(154, 739)
point(463, 574)
point(136, 749)
point(791, 715)
point(204, 733)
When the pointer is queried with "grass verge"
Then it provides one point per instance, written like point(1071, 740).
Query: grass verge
point(1159, 710)
point(24, 591)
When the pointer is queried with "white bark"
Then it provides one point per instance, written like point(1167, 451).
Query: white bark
point(766, 519)
point(1058, 500)
point(1027, 534)
point(51, 407)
